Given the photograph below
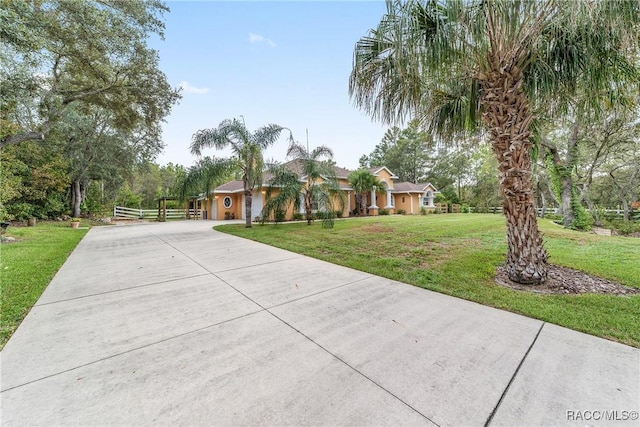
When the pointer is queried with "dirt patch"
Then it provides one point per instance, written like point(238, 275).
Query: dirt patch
point(8, 239)
point(566, 281)
point(374, 228)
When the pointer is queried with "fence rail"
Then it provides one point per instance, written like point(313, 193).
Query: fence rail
point(124, 212)
point(612, 213)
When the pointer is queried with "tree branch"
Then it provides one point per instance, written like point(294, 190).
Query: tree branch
point(21, 137)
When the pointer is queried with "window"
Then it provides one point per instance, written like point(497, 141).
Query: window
point(427, 200)
point(227, 202)
point(402, 199)
point(393, 201)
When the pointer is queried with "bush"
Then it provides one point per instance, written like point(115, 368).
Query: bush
point(464, 208)
point(423, 211)
point(401, 212)
point(383, 211)
point(297, 216)
point(280, 215)
point(338, 213)
point(625, 228)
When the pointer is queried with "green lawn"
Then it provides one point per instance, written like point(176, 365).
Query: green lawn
point(28, 265)
point(457, 254)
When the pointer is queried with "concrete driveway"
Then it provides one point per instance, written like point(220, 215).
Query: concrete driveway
point(177, 324)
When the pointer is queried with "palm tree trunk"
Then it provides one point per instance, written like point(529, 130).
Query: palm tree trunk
point(247, 206)
point(308, 206)
point(508, 119)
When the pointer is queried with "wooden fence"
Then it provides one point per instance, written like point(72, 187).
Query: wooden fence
point(611, 213)
point(123, 212)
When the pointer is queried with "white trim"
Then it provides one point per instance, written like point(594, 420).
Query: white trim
point(225, 198)
point(393, 176)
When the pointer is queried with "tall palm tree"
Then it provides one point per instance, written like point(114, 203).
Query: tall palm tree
point(313, 178)
point(362, 181)
point(460, 64)
point(247, 149)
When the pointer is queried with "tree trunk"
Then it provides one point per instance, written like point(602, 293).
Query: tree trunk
point(76, 199)
point(21, 137)
point(508, 119)
point(308, 208)
point(247, 208)
point(362, 204)
point(565, 198)
point(625, 210)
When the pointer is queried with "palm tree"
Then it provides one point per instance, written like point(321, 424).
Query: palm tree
point(247, 149)
point(203, 176)
point(315, 173)
point(313, 178)
point(460, 64)
point(362, 181)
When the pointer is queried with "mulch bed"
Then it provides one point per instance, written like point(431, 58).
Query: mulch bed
point(566, 281)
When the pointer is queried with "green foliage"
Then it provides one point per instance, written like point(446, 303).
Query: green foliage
point(280, 215)
point(297, 216)
point(127, 198)
point(401, 212)
point(34, 181)
point(403, 151)
point(201, 178)
point(626, 227)
point(581, 218)
point(423, 211)
point(383, 211)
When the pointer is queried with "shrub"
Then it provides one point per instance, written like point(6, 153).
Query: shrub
point(423, 211)
point(401, 212)
point(297, 216)
point(338, 213)
point(625, 228)
point(383, 211)
point(280, 215)
point(464, 208)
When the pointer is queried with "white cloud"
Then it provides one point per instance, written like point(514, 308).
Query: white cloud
point(257, 38)
point(187, 88)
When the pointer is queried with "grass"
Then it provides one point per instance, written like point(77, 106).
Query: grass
point(28, 265)
point(457, 254)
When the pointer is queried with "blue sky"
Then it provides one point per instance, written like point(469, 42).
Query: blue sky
point(285, 62)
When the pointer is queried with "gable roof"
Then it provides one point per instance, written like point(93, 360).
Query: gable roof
point(377, 169)
point(410, 187)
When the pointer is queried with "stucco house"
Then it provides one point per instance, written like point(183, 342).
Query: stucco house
point(227, 200)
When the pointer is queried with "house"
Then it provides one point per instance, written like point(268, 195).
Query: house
point(228, 200)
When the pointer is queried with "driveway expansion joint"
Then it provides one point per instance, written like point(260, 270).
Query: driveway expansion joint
point(513, 377)
point(380, 386)
point(131, 350)
point(97, 294)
